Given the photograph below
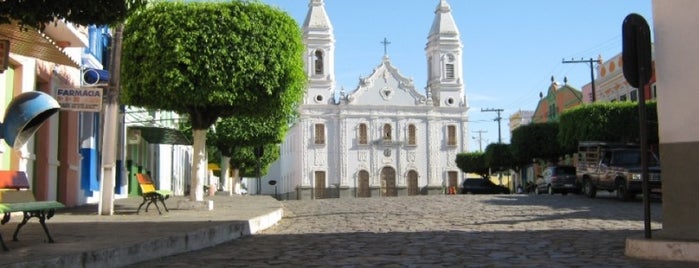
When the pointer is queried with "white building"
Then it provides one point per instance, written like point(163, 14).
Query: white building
point(385, 138)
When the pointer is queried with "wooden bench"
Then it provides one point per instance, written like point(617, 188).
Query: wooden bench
point(150, 193)
point(15, 196)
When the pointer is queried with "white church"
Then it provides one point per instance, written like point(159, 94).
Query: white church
point(384, 138)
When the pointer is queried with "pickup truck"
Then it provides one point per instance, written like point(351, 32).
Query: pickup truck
point(615, 167)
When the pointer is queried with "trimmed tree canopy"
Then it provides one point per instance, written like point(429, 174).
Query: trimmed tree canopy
point(538, 140)
point(37, 13)
point(212, 60)
point(472, 163)
point(610, 122)
point(499, 157)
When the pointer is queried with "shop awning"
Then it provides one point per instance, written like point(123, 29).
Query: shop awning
point(33, 43)
point(161, 135)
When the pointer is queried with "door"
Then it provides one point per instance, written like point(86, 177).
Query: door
point(319, 189)
point(363, 184)
point(413, 189)
point(388, 182)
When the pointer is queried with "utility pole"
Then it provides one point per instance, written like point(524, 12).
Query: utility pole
point(480, 139)
point(592, 71)
point(496, 119)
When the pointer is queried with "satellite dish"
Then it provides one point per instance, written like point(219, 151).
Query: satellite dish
point(24, 115)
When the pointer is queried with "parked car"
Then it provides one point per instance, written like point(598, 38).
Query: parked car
point(558, 179)
point(615, 167)
point(482, 186)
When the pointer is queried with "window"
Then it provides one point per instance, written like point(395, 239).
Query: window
point(412, 140)
point(451, 135)
point(449, 71)
point(387, 132)
point(634, 95)
point(319, 134)
point(363, 134)
point(552, 111)
point(318, 60)
point(622, 97)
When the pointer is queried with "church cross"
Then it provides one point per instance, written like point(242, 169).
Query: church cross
point(385, 45)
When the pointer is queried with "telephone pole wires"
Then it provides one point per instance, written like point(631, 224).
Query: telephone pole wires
point(480, 139)
point(496, 119)
point(592, 71)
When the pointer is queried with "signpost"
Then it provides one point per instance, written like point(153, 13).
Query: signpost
point(636, 55)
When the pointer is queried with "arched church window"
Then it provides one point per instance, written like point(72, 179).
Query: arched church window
point(387, 132)
point(451, 135)
point(449, 67)
point(412, 130)
point(363, 139)
point(449, 70)
point(319, 137)
point(318, 62)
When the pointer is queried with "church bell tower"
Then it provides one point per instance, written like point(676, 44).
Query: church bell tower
point(319, 58)
point(444, 60)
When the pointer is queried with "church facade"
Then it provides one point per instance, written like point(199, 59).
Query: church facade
point(384, 138)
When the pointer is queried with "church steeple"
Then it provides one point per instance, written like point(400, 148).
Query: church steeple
point(444, 59)
point(320, 54)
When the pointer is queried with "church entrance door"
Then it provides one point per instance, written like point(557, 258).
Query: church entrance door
point(388, 182)
point(319, 185)
point(363, 184)
point(413, 189)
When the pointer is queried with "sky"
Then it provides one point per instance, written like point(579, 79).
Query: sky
point(511, 48)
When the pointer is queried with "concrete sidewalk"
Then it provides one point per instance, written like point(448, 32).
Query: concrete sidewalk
point(84, 239)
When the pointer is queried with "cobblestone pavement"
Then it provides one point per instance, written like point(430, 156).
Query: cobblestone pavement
point(441, 231)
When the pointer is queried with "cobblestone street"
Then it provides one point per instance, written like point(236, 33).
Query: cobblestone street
point(445, 231)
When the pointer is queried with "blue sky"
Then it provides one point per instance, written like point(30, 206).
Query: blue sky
point(511, 47)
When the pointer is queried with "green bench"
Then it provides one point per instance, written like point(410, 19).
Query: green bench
point(150, 193)
point(15, 196)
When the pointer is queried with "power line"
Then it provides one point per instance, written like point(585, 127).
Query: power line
point(480, 139)
point(592, 71)
point(496, 119)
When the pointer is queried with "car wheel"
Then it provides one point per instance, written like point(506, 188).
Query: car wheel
point(550, 190)
point(589, 189)
point(622, 193)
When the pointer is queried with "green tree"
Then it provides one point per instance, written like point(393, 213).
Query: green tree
point(498, 157)
point(473, 162)
point(610, 122)
point(538, 140)
point(37, 13)
point(212, 60)
point(237, 137)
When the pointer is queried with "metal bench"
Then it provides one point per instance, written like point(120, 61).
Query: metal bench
point(151, 194)
point(15, 196)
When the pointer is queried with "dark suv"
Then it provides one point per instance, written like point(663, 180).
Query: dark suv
point(482, 186)
point(558, 179)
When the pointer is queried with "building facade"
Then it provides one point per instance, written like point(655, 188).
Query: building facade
point(384, 138)
point(520, 118)
point(611, 85)
point(557, 99)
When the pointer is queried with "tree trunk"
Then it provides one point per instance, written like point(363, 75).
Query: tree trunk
point(236, 181)
point(199, 166)
point(227, 184)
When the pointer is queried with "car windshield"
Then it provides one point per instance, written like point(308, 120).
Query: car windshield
point(632, 158)
point(564, 170)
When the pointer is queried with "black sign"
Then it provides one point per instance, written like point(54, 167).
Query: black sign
point(636, 53)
